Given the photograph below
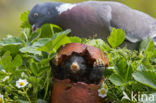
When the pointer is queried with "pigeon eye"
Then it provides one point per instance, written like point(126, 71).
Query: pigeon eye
point(35, 15)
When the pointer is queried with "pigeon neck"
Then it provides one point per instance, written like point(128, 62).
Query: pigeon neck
point(62, 9)
point(53, 14)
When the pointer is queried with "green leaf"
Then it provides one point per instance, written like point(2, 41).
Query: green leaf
point(150, 46)
point(150, 98)
point(6, 61)
point(153, 60)
point(121, 66)
point(147, 44)
point(24, 16)
point(47, 47)
point(146, 77)
point(24, 19)
point(34, 36)
point(26, 34)
point(56, 28)
point(3, 75)
point(34, 68)
point(9, 64)
point(42, 71)
point(45, 61)
point(123, 72)
point(63, 33)
point(35, 81)
point(17, 61)
point(117, 80)
point(75, 39)
point(11, 41)
point(31, 50)
point(116, 37)
point(14, 49)
point(57, 40)
point(41, 42)
point(47, 31)
point(99, 43)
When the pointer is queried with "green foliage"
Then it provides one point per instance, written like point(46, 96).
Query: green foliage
point(116, 37)
point(27, 57)
point(147, 44)
point(24, 19)
point(123, 72)
point(11, 41)
point(146, 77)
point(129, 71)
point(10, 64)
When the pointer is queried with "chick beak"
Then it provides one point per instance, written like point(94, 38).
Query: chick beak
point(75, 67)
point(34, 27)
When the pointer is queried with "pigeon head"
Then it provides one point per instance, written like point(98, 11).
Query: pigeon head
point(43, 13)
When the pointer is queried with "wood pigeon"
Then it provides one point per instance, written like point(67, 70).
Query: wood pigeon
point(90, 18)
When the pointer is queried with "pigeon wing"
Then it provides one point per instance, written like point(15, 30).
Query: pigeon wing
point(137, 25)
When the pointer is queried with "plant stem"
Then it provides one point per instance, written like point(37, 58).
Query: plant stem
point(48, 77)
point(27, 95)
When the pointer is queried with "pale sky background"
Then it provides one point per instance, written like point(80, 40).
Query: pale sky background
point(10, 11)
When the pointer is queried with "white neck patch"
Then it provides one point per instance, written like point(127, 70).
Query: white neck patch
point(154, 39)
point(65, 7)
point(153, 36)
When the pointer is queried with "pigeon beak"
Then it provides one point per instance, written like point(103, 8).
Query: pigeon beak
point(34, 27)
point(74, 67)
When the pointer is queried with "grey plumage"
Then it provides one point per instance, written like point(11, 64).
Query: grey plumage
point(95, 17)
point(137, 25)
point(47, 13)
